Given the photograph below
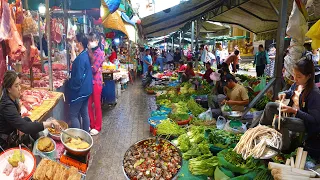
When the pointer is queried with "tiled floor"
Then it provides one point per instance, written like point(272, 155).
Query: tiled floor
point(123, 125)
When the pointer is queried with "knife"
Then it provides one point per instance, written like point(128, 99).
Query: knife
point(274, 149)
point(20, 153)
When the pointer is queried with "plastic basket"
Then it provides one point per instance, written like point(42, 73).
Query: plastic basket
point(166, 109)
point(154, 121)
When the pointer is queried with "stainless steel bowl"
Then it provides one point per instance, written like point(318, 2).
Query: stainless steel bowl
point(153, 138)
point(78, 133)
point(63, 125)
point(50, 154)
point(235, 114)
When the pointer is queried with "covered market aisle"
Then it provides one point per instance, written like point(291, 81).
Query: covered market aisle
point(123, 125)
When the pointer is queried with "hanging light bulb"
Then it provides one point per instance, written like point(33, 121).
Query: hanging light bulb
point(101, 11)
point(42, 9)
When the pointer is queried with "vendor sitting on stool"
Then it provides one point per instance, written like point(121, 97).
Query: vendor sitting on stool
point(148, 79)
point(303, 108)
point(208, 72)
point(237, 95)
point(189, 73)
point(14, 129)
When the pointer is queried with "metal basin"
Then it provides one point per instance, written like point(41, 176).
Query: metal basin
point(141, 142)
point(78, 133)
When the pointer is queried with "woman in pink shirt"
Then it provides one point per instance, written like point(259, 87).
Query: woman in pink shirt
point(97, 57)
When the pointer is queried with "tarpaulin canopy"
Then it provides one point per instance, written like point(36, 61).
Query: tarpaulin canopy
point(257, 16)
point(170, 20)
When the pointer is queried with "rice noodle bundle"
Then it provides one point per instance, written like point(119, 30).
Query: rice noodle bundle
point(254, 141)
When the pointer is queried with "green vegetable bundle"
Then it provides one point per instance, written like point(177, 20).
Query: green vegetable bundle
point(194, 107)
point(221, 138)
point(183, 143)
point(264, 174)
point(169, 128)
point(235, 163)
point(203, 165)
point(262, 103)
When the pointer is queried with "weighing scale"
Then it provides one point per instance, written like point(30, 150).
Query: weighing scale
point(234, 119)
point(80, 162)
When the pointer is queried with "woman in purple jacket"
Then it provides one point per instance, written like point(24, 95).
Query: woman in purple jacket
point(303, 108)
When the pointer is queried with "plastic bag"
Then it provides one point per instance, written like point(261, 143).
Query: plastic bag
point(219, 175)
point(221, 122)
point(297, 25)
point(29, 26)
point(261, 85)
point(226, 108)
point(238, 130)
point(314, 34)
point(207, 116)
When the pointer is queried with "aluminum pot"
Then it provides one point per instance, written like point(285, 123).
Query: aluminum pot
point(152, 138)
point(78, 133)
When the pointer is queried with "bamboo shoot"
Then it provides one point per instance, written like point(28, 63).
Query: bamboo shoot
point(298, 157)
point(288, 162)
point(303, 159)
point(273, 165)
point(292, 162)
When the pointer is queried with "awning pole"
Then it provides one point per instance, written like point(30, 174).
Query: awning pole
point(49, 45)
point(197, 42)
point(281, 34)
point(40, 42)
point(172, 44)
point(279, 58)
point(180, 34)
point(192, 36)
point(66, 34)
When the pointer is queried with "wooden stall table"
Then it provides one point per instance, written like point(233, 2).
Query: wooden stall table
point(39, 113)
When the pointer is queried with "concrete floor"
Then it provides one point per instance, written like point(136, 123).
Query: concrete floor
point(123, 125)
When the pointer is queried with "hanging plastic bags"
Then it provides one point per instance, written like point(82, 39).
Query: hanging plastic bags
point(29, 26)
point(207, 116)
point(314, 34)
point(262, 84)
point(297, 25)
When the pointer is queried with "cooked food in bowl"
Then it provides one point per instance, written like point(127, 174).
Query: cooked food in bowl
point(63, 125)
point(77, 143)
point(45, 144)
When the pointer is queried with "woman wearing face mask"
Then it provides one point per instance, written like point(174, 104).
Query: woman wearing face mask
point(10, 119)
point(304, 106)
point(97, 58)
point(80, 85)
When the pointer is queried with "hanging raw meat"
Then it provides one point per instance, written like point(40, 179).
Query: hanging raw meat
point(26, 58)
point(3, 66)
point(16, 48)
point(31, 55)
point(19, 12)
point(58, 37)
point(4, 20)
point(56, 34)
